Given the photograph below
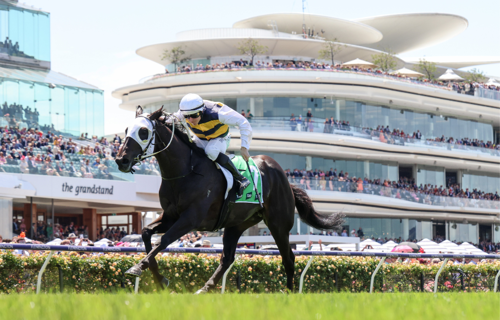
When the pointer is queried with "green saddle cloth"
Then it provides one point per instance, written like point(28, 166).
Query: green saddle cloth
point(249, 195)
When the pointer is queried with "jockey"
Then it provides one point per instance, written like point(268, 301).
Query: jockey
point(210, 122)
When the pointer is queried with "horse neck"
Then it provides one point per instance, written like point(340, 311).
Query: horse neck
point(175, 160)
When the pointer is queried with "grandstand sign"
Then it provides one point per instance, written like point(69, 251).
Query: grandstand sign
point(77, 190)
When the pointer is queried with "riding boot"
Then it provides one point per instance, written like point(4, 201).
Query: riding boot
point(224, 161)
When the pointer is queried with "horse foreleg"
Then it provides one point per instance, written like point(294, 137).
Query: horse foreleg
point(230, 240)
point(178, 229)
point(160, 280)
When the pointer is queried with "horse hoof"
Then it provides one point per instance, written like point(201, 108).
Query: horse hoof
point(165, 282)
point(201, 291)
point(134, 271)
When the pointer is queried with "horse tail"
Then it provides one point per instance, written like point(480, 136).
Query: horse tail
point(307, 213)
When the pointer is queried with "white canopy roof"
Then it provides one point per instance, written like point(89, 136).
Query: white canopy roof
point(347, 31)
point(411, 31)
point(408, 73)
point(358, 63)
point(430, 246)
point(493, 82)
point(449, 75)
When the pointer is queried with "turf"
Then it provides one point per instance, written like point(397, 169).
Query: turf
point(252, 306)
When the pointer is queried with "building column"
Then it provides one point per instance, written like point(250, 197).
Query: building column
point(29, 217)
point(6, 218)
point(90, 220)
point(136, 222)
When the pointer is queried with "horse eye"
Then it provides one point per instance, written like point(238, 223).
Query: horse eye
point(143, 133)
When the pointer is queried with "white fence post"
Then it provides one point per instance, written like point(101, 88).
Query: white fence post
point(40, 274)
point(375, 272)
point(301, 284)
point(136, 286)
point(225, 276)
point(496, 282)
point(437, 275)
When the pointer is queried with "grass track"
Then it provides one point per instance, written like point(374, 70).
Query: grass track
point(343, 306)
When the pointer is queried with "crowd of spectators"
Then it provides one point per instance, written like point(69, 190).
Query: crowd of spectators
point(404, 188)
point(15, 113)
point(12, 49)
point(464, 87)
point(32, 151)
point(384, 134)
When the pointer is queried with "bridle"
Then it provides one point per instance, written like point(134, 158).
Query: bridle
point(143, 155)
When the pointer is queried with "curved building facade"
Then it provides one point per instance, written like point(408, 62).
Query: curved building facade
point(391, 133)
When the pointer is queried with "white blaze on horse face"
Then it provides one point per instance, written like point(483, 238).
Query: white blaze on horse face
point(133, 133)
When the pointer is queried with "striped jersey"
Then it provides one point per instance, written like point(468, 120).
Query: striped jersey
point(210, 126)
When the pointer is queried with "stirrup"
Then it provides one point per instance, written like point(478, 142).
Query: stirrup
point(244, 183)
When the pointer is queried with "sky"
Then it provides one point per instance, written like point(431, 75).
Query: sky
point(95, 41)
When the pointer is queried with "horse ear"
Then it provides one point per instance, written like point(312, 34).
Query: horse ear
point(138, 111)
point(157, 114)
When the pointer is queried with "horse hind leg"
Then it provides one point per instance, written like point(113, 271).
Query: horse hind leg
point(230, 240)
point(280, 230)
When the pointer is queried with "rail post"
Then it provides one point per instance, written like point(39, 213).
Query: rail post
point(337, 281)
point(437, 275)
point(375, 272)
point(136, 286)
point(61, 279)
point(40, 274)
point(422, 280)
point(496, 282)
point(302, 276)
point(225, 276)
point(238, 281)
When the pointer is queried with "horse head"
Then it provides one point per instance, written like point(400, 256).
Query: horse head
point(139, 141)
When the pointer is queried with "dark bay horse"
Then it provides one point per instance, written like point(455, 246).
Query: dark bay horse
point(192, 193)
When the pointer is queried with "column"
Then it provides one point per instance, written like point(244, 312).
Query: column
point(337, 109)
point(6, 218)
point(309, 163)
point(29, 217)
point(136, 222)
point(90, 220)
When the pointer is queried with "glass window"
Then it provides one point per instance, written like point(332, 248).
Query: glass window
point(481, 181)
point(430, 175)
point(357, 113)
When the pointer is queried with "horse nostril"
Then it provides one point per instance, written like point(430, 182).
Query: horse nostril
point(125, 161)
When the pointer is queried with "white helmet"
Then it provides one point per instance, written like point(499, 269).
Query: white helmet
point(191, 103)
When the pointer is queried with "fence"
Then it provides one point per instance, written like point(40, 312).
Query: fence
point(312, 254)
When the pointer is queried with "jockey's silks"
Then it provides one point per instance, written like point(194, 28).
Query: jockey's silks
point(210, 126)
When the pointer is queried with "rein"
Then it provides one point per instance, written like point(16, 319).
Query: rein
point(142, 156)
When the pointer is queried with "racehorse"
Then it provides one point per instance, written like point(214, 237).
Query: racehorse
point(192, 194)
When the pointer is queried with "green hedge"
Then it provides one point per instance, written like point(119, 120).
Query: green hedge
point(189, 272)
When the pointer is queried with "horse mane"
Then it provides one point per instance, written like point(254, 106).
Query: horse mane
point(180, 132)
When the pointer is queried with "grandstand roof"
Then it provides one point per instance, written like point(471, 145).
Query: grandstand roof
point(42, 76)
point(406, 32)
point(344, 30)
point(285, 47)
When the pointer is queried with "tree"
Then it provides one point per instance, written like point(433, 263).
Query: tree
point(475, 75)
point(427, 67)
point(385, 60)
point(330, 48)
point(251, 48)
point(175, 56)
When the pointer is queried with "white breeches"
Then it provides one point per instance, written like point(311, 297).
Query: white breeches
point(214, 146)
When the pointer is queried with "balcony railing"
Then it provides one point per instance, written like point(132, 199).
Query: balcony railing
point(395, 193)
point(317, 125)
point(480, 92)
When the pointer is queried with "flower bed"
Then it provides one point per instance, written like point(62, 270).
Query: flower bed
point(189, 272)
